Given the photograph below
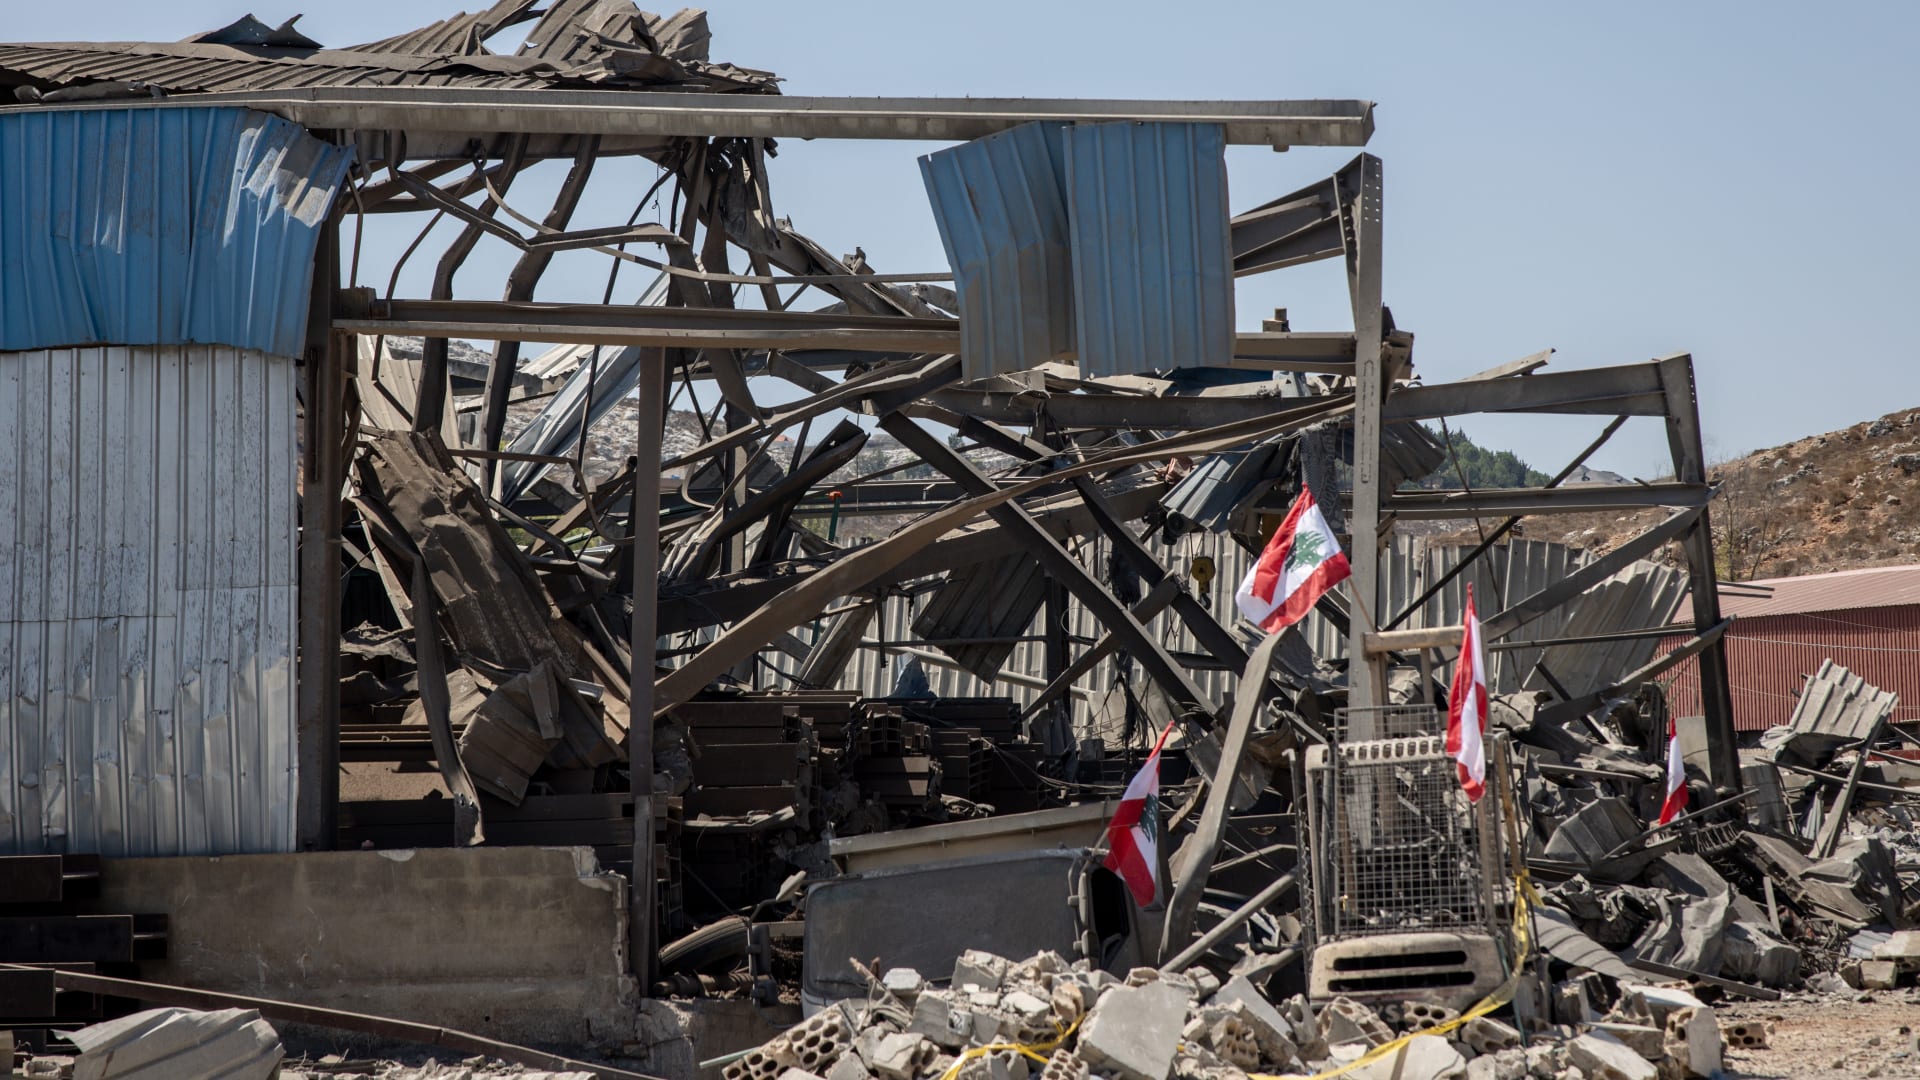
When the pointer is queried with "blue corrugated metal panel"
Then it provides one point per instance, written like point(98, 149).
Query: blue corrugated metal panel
point(160, 227)
point(1152, 258)
point(1000, 202)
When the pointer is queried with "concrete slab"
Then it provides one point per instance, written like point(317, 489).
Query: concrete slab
point(1423, 1057)
point(521, 944)
point(1133, 1032)
point(1603, 1057)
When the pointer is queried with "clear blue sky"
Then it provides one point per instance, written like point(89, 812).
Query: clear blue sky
point(1615, 181)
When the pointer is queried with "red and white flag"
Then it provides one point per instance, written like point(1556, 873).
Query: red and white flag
point(1301, 562)
point(1467, 708)
point(1676, 799)
point(1133, 836)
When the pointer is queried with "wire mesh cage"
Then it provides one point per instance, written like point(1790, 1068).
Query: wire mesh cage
point(1395, 844)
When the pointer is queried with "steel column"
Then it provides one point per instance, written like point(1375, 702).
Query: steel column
point(642, 947)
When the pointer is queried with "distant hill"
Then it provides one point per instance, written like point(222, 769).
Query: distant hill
point(1844, 500)
point(1483, 468)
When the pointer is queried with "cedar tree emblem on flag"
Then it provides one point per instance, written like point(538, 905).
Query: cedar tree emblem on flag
point(1299, 565)
point(1133, 836)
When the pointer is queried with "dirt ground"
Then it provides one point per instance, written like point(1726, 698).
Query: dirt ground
point(1872, 1035)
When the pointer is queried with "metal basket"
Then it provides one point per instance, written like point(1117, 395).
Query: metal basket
point(1394, 844)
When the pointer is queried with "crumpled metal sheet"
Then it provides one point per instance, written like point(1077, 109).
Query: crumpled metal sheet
point(996, 599)
point(172, 1043)
point(606, 44)
point(1837, 708)
point(1000, 203)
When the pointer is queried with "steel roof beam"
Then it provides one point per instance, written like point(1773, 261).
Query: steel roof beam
point(1279, 124)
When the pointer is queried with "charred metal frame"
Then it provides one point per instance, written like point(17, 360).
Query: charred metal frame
point(715, 144)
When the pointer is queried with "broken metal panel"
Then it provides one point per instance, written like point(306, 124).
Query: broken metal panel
point(1645, 595)
point(1836, 708)
point(1210, 496)
point(609, 377)
point(1000, 204)
point(1153, 261)
point(464, 34)
point(160, 227)
point(984, 606)
point(147, 601)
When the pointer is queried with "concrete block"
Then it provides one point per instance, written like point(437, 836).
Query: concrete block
point(1239, 990)
point(980, 969)
point(1025, 1005)
point(1226, 1034)
point(1069, 1000)
point(1693, 1040)
point(1423, 1057)
point(902, 1056)
point(1037, 967)
point(1489, 1036)
point(935, 1018)
point(1005, 1065)
point(1643, 1039)
point(903, 983)
point(1900, 945)
point(1420, 1015)
point(1064, 1064)
point(1205, 983)
point(795, 1073)
point(1344, 1020)
point(1657, 1001)
point(1275, 1045)
point(1545, 1060)
point(1603, 1057)
point(1133, 1032)
point(849, 1067)
point(1747, 1034)
point(1505, 1065)
point(1879, 974)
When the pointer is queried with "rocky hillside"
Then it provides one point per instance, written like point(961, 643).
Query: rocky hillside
point(1840, 501)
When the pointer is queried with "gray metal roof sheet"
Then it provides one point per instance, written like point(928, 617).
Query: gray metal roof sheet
point(1153, 260)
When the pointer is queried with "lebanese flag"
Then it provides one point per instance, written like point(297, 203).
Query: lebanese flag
point(1676, 799)
point(1467, 708)
point(1133, 836)
point(1301, 562)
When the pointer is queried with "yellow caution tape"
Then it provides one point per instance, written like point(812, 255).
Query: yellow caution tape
point(1037, 1051)
point(1523, 897)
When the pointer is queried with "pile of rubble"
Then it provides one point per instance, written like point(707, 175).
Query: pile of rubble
point(1047, 1019)
point(1779, 885)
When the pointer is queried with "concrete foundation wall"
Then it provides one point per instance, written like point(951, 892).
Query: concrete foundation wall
point(522, 944)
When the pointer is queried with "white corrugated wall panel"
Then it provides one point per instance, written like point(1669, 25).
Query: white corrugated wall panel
point(1641, 596)
point(147, 600)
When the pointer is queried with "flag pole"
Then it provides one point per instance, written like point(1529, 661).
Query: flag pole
point(1357, 605)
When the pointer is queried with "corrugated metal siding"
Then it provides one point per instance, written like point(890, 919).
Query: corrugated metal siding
point(1646, 595)
point(1845, 590)
point(1000, 203)
point(160, 227)
point(147, 601)
point(997, 599)
point(1770, 656)
point(1642, 596)
point(1152, 254)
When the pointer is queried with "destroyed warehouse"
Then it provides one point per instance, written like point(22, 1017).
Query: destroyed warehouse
point(888, 585)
